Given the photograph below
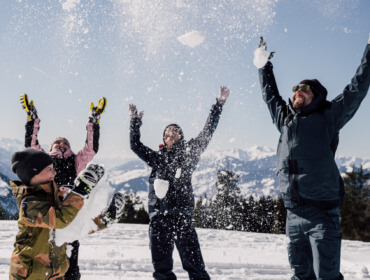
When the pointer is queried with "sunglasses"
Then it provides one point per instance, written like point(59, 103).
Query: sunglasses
point(304, 88)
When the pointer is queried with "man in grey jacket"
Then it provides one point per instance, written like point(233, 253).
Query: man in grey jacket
point(309, 179)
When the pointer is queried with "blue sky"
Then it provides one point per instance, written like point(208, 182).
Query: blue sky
point(66, 54)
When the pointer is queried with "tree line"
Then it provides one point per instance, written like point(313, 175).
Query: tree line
point(229, 210)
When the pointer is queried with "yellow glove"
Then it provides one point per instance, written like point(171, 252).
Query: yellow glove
point(28, 107)
point(96, 112)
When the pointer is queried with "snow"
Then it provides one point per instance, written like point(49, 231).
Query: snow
point(70, 5)
point(122, 252)
point(260, 57)
point(191, 39)
point(80, 227)
point(116, 176)
point(160, 188)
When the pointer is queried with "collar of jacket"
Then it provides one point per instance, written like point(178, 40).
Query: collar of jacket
point(177, 146)
point(20, 190)
point(59, 154)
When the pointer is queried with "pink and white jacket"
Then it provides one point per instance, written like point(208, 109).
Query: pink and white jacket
point(67, 164)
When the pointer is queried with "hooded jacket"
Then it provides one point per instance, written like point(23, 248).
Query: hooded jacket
point(35, 254)
point(67, 164)
point(176, 166)
point(306, 168)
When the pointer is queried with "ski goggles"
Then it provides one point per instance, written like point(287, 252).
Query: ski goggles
point(304, 88)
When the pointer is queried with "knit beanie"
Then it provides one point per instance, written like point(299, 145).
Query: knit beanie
point(316, 87)
point(181, 133)
point(59, 139)
point(28, 163)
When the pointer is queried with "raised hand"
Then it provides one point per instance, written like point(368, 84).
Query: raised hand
point(97, 111)
point(223, 95)
point(87, 179)
point(115, 209)
point(262, 45)
point(29, 107)
point(261, 55)
point(133, 112)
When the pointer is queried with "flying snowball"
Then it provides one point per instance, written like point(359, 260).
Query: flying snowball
point(191, 39)
point(261, 57)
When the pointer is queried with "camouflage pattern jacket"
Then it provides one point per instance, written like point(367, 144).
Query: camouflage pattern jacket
point(41, 210)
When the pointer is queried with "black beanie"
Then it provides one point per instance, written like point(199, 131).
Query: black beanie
point(28, 163)
point(316, 87)
point(181, 133)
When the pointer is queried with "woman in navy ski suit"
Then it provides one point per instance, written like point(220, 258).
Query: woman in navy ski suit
point(171, 213)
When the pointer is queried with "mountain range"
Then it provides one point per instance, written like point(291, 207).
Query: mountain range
point(255, 167)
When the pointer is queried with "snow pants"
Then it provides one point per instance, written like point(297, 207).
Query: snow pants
point(167, 231)
point(315, 243)
point(73, 272)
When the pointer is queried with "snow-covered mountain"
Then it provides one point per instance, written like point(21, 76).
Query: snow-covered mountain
point(255, 167)
point(7, 148)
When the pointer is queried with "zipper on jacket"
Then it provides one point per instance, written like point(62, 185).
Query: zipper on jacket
point(292, 163)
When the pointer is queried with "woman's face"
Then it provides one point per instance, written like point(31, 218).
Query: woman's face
point(171, 136)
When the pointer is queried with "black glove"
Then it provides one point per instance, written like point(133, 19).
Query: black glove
point(115, 209)
point(28, 107)
point(87, 179)
point(262, 44)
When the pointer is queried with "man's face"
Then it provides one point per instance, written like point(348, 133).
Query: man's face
point(171, 136)
point(45, 176)
point(60, 145)
point(302, 98)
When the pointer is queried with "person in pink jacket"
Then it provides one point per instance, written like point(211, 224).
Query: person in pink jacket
point(68, 165)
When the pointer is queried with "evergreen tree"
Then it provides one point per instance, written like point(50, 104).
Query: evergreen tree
point(279, 216)
point(203, 216)
point(198, 216)
point(130, 214)
point(355, 210)
point(249, 214)
point(265, 214)
point(227, 207)
point(142, 216)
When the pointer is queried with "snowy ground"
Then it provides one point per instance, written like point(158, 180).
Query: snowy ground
point(122, 252)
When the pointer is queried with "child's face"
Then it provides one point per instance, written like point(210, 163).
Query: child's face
point(60, 145)
point(45, 176)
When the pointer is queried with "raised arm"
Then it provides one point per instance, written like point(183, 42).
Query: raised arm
point(143, 152)
point(346, 104)
point(87, 153)
point(270, 93)
point(201, 142)
point(32, 125)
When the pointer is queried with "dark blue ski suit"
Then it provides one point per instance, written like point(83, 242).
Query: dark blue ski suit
point(171, 217)
point(309, 179)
